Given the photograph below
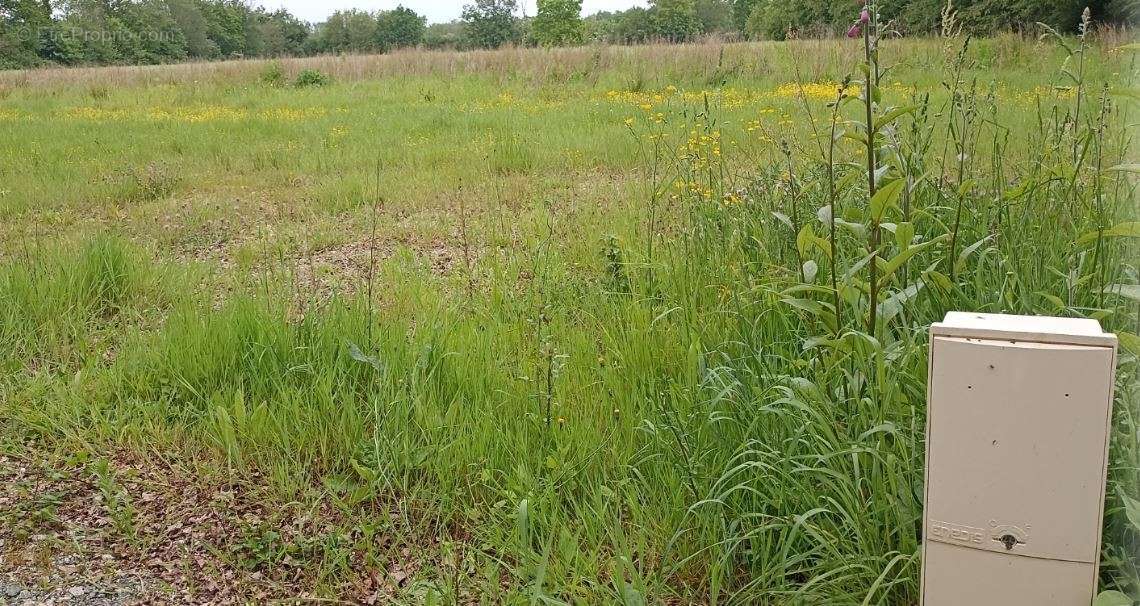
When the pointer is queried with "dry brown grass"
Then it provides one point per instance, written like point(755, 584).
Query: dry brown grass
point(706, 58)
point(711, 61)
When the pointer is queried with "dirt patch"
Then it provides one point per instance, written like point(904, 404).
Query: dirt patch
point(129, 530)
point(343, 268)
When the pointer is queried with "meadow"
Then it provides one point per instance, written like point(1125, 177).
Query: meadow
point(570, 326)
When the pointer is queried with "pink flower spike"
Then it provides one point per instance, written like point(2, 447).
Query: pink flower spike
point(854, 32)
point(864, 16)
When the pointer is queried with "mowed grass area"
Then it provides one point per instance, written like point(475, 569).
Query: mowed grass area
point(535, 326)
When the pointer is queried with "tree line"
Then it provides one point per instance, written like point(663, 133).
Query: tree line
point(86, 32)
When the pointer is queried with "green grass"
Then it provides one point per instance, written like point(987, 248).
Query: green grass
point(555, 363)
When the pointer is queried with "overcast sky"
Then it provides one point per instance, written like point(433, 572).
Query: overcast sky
point(436, 11)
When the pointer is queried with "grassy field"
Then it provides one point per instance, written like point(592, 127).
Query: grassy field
point(534, 326)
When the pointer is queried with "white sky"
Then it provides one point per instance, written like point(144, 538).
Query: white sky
point(436, 11)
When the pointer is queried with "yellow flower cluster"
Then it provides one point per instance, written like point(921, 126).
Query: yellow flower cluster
point(289, 114)
point(700, 148)
point(1027, 98)
point(818, 91)
point(209, 113)
point(96, 114)
point(732, 199)
point(695, 187)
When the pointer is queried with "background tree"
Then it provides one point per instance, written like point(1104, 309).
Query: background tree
point(741, 11)
point(347, 31)
point(444, 35)
point(559, 23)
point(715, 16)
point(635, 26)
point(675, 20)
point(1118, 11)
point(399, 28)
point(984, 16)
point(191, 19)
point(225, 22)
point(75, 32)
point(490, 23)
point(21, 23)
point(775, 19)
point(280, 34)
point(148, 32)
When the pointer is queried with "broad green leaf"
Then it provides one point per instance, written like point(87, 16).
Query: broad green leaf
point(885, 428)
point(882, 172)
point(965, 187)
point(630, 596)
point(824, 214)
point(897, 261)
point(857, 229)
point(963, 256)
point(522, 520)
point(810, 270)
point(939, 279)
point(1112, 598)
point(904, 235)
point(782, 218)
point(1054, 299)
point(366, 474)
point(892, 305)
point(360, 356)
point(808, 389)
point(886, 197)
point(812, 307)
point(893, 115)
point(856, 137)
point(1131, 508)
point(1125, 168)
point(813, 342)
point(1100, 314)
point(1017, 192)
point(822, 311)
point(1131, 291)
point(1129, 342)
point(854, 269)
point(1128, 229)
point(799, 288)
point(804, 240)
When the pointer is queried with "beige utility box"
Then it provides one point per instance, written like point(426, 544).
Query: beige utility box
point(1018, 418)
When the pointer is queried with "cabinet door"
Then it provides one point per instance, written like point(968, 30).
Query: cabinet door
point(961, 576)
point(1016, 446)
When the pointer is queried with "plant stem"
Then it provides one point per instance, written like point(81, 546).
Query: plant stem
point(873, 269)
point(831, 201)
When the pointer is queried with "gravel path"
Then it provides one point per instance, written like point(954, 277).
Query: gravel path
point(64, 582)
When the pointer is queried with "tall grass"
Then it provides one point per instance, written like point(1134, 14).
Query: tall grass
point(713, 394)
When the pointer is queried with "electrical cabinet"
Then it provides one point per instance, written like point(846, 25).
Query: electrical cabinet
point(1019, 410)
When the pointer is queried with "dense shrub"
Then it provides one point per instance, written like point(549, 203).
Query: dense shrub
point(311, 77)
point(273, 75)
